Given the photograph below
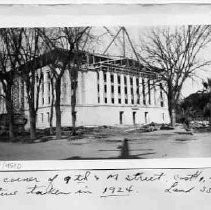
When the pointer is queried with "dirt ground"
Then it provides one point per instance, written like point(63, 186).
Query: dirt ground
point(103, 143)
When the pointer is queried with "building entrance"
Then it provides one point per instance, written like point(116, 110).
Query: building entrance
point(134, 118)
point(121, 117)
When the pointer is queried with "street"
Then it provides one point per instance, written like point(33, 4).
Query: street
point(106, 143)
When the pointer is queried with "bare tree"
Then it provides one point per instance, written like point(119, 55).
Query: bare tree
point(174, 52)
point(6, 79)
point(54, 42)
point(64, 46)
point(27, 47)
point(77, 38)
point(7, 76)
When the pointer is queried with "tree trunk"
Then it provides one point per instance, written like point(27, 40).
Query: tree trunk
point(172, 110)
point(57, 109)
point(32, 109)
point(11, 120)
point(52, 107)
point(73, 104)
point(51, 120)
point(73, 121)
point(74, 83)
point(32, 115)
point(11, 125)
point(10, 111)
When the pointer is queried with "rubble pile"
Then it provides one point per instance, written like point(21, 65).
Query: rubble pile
point(200, 124)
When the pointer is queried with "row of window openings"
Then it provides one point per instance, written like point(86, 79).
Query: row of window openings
point(125, 90)
point(132, 93)
point(146, 117)
point(119, 96)
point(119, 79)
point(49, 92)
point(121, 113)
point(120, 117)
point(48, 116)
point(125, 80)
point(119, 89)
point(119, 100)
point(126, 101)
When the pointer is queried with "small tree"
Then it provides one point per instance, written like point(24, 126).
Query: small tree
point(174, 52)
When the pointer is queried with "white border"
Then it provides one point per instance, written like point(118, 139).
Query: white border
point(54, 2)
point(174, 163)
point(33, 15)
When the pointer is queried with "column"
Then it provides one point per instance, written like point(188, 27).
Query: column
point(164, 98)
point(101, 84)
point(140, 90)
point(108, 81)
point(122, 89)
point(91, 87)
point(135, 90)
point(79, 89)
point(80, 83)
point(155, 92)
point(115, 89)
point(128, 89)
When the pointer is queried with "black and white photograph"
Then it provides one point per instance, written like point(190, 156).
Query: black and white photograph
point(114, 92)
point(105, 106)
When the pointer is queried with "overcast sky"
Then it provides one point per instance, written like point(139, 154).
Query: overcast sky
point(190, 86)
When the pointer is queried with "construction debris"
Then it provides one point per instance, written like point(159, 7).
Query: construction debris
point(166, 127)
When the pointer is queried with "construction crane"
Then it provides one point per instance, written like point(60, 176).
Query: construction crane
point(122, 36)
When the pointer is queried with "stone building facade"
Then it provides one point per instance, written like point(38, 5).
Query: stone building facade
point(111, 91)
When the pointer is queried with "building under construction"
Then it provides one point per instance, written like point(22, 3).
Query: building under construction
point(110, 91)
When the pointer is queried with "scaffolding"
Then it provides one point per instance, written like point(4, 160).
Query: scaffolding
point(120, 64)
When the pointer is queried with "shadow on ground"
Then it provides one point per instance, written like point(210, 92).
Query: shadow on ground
point(125, 153)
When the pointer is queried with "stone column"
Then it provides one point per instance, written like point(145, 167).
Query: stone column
point(155, 93)
point(44, 94)
point(46, 88)
point(108, 81)
point(101, 83)
point(79, 96)
point(122, 89)
point(115, 89)
point(140, 90)
point(128, 89)
point(91, 87)
point(134, 90)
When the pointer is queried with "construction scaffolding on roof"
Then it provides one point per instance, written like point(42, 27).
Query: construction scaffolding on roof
point(121, 64)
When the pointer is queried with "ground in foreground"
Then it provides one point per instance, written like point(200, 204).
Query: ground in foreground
point(105, 143)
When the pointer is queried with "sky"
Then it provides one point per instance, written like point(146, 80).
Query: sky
point(136, 33)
